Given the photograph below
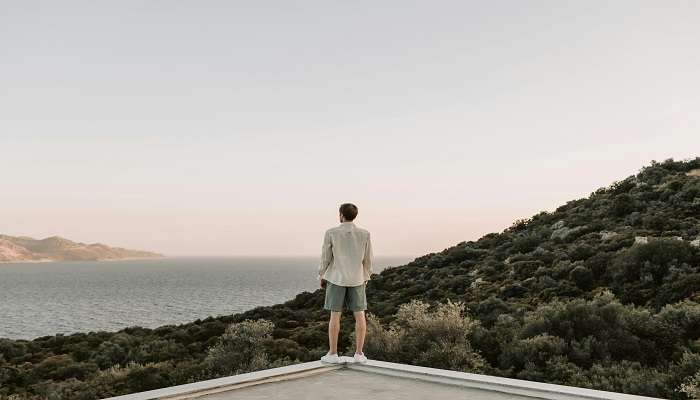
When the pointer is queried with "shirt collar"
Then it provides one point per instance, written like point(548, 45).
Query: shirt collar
point(347, 223)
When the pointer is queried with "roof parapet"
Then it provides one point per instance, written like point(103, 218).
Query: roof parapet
point(514, 387)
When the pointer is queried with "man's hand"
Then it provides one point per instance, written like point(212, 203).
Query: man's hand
point(323, 283)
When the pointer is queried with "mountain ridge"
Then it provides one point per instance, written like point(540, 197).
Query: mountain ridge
point(18, 249)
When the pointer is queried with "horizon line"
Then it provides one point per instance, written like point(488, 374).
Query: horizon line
point(274, 255)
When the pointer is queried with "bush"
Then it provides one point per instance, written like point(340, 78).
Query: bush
point(437, 338)
point(684, 317)
point(241, 348)
point(624, 377)
point(623, 204)
point(651, 261)
point(582, 277)
point(533, 352)
point(526, 244)
point(602, 329)
point(692, 387)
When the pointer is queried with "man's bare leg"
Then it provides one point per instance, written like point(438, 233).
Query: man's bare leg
point(360, 331)
point(333, 330)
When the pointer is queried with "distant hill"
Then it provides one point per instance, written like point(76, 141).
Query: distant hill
point(56, 248)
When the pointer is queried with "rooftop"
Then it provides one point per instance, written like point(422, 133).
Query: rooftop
point(376, 380)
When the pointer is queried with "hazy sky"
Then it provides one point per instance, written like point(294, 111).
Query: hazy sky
point(223, 127)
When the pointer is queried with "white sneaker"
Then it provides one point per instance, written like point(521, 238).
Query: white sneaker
point(331, 359)
point(360, 358)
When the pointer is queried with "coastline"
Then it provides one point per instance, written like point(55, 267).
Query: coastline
point(49, 260)
point(43, 260)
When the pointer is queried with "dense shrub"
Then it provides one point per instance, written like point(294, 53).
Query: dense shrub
point(436, 338)
point(623, 204)
point(624, 377)
point(582, 277)
point(692, 387)
point(241, 348)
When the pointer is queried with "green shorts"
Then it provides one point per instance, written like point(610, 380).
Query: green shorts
point(353, 297)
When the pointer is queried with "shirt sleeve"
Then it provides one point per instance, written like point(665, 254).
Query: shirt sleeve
point(326, 255)
point(367, 260)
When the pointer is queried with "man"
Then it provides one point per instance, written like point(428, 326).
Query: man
point(345, 268)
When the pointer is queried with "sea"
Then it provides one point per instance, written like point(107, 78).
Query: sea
point(40, 299)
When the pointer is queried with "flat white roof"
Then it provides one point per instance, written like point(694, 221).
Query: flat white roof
point(375, 380)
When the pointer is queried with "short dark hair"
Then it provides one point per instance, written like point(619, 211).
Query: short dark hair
point(349, 211)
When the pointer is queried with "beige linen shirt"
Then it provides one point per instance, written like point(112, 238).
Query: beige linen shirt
point(346, 255)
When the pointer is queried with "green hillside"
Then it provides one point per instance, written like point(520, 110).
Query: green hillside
point(603, 293)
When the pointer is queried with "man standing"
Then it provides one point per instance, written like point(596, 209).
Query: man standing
point(345, 268)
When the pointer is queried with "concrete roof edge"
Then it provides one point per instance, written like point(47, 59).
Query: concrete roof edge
point(455, 378)
point(493, 383)
point(231, 382)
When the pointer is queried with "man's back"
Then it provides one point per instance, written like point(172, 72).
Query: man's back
point(346, 255)
point(346, 266)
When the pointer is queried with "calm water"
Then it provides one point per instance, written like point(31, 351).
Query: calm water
point(66, 297)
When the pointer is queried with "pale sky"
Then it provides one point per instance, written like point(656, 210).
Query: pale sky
point(237, 128)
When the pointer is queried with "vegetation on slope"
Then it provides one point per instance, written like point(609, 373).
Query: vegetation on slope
point(603, 293)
